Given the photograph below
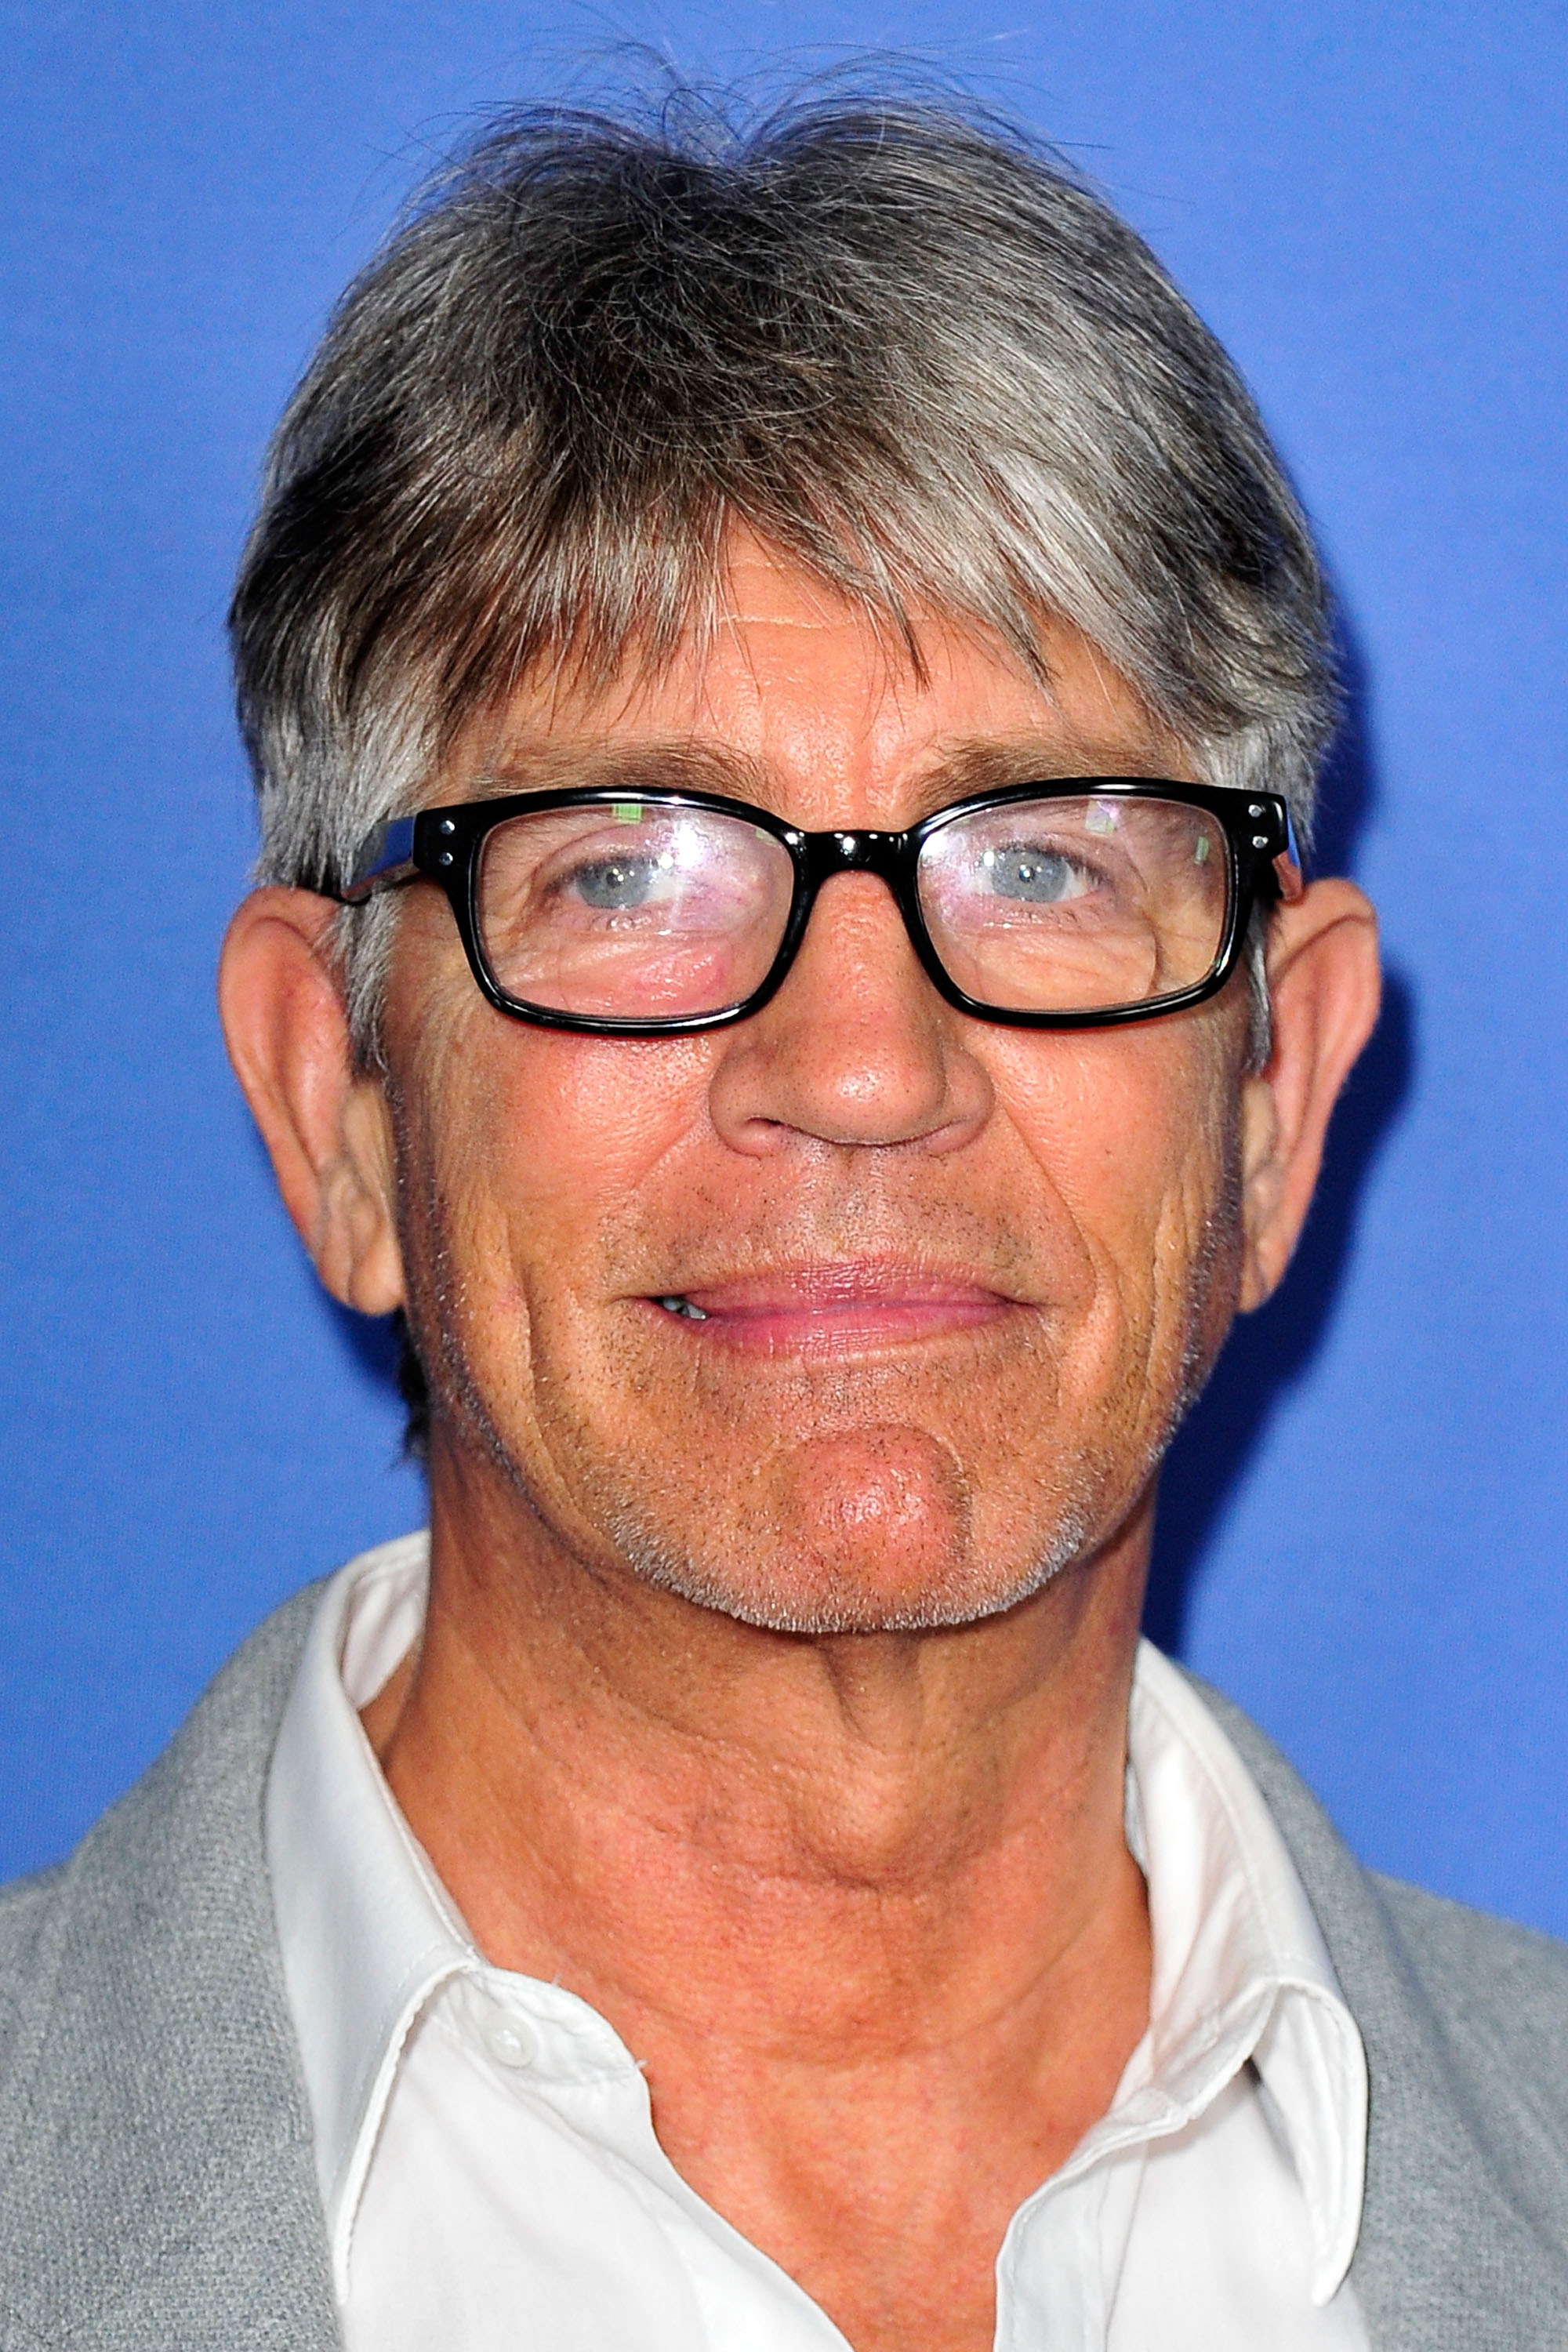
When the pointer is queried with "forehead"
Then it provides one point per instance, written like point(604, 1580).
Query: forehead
point(798, 696)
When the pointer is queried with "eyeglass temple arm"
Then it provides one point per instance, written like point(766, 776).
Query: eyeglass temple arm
point(385, 856)
point(1286, 864)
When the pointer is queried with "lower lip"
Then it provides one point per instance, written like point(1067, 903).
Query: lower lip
point(845, 1327)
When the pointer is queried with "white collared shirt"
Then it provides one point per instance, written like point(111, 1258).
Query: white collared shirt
point(487, 2164)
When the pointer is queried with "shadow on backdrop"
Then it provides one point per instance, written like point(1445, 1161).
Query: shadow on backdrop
point(372, 1340)
point(1269, 1351)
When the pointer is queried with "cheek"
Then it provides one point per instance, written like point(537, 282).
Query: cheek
point(589, 1120)
point(529, 1145)
point(1135, 1131)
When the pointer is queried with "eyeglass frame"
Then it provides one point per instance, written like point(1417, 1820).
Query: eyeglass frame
point(444, 846)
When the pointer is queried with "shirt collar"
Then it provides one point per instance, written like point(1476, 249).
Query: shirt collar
point(1240, 1971)
point(366, 1928)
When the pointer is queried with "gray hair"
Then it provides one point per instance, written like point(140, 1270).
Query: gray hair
point(895, 339)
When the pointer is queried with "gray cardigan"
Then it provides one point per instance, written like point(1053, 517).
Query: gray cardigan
point(157, 2191)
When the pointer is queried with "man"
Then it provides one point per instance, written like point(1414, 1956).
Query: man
point(785, 682)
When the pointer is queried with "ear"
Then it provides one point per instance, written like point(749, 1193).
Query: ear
point(329, 1131)
point(1324, 988)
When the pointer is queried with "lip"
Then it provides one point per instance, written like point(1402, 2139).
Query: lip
point(841, 1309)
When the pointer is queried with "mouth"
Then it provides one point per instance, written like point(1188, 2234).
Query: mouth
point(832, 1311)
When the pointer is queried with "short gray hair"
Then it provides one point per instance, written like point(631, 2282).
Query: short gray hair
point(894, 337)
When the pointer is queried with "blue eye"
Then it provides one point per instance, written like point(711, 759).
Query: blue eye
point(617, 884)
point(1021, 870)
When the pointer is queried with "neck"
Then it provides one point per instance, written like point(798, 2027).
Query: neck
point(677, 1813)
point(861, 1906)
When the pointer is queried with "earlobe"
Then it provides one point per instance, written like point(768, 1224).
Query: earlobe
point(328, 1130)
point(1324, 987)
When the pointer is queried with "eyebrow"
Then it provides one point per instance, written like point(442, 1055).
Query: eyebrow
point(655, 765)
point(984, 764)
point(954, 773)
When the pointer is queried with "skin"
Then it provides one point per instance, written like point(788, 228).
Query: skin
point(746, 1704)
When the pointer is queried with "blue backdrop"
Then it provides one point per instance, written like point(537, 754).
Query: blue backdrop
point(1362, 1539)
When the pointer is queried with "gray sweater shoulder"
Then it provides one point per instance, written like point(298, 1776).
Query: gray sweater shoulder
point(1494, 1996)
point(192, 1819)
point(1482, 1957)
point(23, 1905)
point(28, 1909)
point(1500, 1991)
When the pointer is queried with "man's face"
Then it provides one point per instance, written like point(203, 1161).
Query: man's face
point(862, 1313)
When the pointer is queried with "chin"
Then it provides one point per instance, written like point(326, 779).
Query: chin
point(810, 1608)
point(819, 1598)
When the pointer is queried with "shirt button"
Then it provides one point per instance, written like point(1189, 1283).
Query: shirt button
point(510, 2039)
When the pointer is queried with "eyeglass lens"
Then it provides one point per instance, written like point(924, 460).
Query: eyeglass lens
point(634, 911)
point(1077, 905)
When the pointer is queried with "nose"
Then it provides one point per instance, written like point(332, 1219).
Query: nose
point(857, 1048)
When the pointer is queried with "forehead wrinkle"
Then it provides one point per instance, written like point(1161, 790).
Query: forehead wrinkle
point(882, 671)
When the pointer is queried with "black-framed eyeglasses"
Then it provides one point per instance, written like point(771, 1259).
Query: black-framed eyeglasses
point(1070, 903)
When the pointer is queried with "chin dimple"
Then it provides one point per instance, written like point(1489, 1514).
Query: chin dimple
point(673, 1305)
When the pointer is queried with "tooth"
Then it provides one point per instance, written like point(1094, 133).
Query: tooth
point(676, 1306)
